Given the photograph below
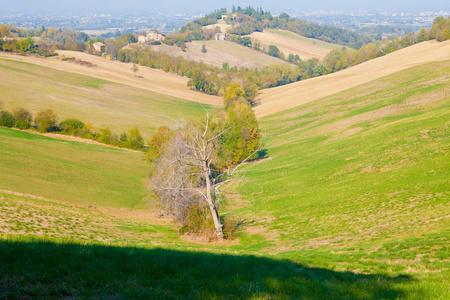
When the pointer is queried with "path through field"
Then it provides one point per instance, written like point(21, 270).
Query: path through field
point(271, 101)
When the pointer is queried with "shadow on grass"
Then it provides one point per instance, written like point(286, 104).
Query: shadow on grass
point(37, 268)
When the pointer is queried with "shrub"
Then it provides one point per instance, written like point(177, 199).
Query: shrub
point(135, 139)
point(22, 118)
point(199, 221)
point(6, 119)
point(46, 120)
point(71, 127)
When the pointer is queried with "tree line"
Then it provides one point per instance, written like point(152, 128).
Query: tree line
point(47, 121)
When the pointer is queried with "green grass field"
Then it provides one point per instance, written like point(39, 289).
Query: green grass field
point(352, 203)
point(316, 42)
point(72, 171)
point(92, 100)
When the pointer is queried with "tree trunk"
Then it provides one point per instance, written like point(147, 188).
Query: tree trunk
point(212, 204)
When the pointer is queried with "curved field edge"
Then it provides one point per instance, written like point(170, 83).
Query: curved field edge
point(71, 171)
point(149, 79)
point(274, 100)
point(290, 43)
point(99, 102)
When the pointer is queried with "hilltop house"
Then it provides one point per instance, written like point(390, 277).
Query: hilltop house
point(220, 36)
point(229, 17)
point(99, 47)
point(151, 36)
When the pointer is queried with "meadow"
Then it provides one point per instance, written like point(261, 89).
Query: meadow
point(71, 171)
point(351, 201)
point(359, 181)
point(92, 100)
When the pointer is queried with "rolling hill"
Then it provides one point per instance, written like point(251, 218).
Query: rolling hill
point(100, 102)
point(289, 42)
point(273, 100)
point(352, 200)
point(149, 79)
point(220, 52)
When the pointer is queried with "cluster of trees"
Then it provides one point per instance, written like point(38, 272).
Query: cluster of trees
point(191, 162)
point(47, 121)
point(441, 29)
point(249, 20)
point(43, 41)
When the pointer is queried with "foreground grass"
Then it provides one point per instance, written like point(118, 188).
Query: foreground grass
point(72, 171)
point(92, 100)
point(34, 267)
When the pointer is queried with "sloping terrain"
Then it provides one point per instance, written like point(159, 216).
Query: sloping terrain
point(351, 202)
point(289, 42)
point(99, 102)
point(149, 79)
point(359, 180)
point(273, 100)
point(219, 52)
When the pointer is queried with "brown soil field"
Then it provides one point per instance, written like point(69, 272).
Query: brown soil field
point(219, 52)
point(288, 42)
point(115, 71)
point(271, 101)
point(221, 24)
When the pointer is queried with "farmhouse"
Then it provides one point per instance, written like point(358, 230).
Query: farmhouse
point(151, 36)
point(229, 17)
point(99, 47)
point(220, 36)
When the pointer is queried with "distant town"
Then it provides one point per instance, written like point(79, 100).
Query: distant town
point(395, 22)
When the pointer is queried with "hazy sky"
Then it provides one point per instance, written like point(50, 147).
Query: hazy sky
point(151, 6)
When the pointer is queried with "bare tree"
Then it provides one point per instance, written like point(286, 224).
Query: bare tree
point(135, 68)
point(188, 170)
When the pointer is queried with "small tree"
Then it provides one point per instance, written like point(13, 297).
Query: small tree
point(134, 139)
point(45, 120)
point(135, 68)
point(273, 51)
point(22, 118)
point(204, 48)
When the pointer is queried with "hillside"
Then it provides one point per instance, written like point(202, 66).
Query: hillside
point(358, 180)
point(220, 52)
point(273, 100)
point(71, 172)
point(289, 42)
point(351, 202)
point(115, 71)
point(100, 102)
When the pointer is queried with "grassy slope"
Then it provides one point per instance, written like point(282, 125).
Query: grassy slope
point(355, 197)
point(316, 42)
point(359, 180)
point(102, 103)
point(71, 171)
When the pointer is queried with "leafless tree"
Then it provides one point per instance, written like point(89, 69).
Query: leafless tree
point(135, 68)
point(187, 173)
